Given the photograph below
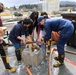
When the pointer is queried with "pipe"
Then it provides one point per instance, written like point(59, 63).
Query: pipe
point(71, 52)
point(49, 62)
point(28, 70)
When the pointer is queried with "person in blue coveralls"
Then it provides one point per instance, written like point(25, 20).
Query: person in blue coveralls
point(66, 29)
point(15, 36)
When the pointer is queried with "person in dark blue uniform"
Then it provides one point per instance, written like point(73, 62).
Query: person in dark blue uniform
point(15, 36)
point(66, 29)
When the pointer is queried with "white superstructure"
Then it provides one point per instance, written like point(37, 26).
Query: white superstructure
point(50, 5)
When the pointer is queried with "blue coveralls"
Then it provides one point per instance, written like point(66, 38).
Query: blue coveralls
point(65, 27)
point(17, 30)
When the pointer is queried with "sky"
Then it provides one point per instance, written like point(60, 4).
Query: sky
point(11, 3)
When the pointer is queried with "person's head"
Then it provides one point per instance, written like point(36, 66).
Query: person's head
point(34, 15)
point(41, 20)
point(44, 14)
point(27, 22)
point(1, 7)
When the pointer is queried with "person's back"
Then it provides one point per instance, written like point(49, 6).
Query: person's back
point(15, 31)
point(56, 24)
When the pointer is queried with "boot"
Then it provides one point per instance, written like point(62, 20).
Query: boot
point(21, 50)
point(5, 45)
point(18, 55)
point(56, 58)
point(7, 66)
point(5, 60)
point(60, 59)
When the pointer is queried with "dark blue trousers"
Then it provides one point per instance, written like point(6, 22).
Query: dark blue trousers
point(65, 34)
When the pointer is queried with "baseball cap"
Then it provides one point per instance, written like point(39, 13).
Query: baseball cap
point(40, 18)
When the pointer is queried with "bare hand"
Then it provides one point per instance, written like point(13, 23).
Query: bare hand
point(2, 31)
point(23, 41)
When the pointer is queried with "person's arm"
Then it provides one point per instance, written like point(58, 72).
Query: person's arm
point(22, 39)
point(47, 35)
point(29, 38)
point(48, 32)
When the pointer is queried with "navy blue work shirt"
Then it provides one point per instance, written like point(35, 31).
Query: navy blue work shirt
point(16, 31)
point(55, 24)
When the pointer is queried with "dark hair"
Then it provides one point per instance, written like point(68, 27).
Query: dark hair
point(34, 15)
point(44, 14)
point(20, 21)
point(27, 21)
